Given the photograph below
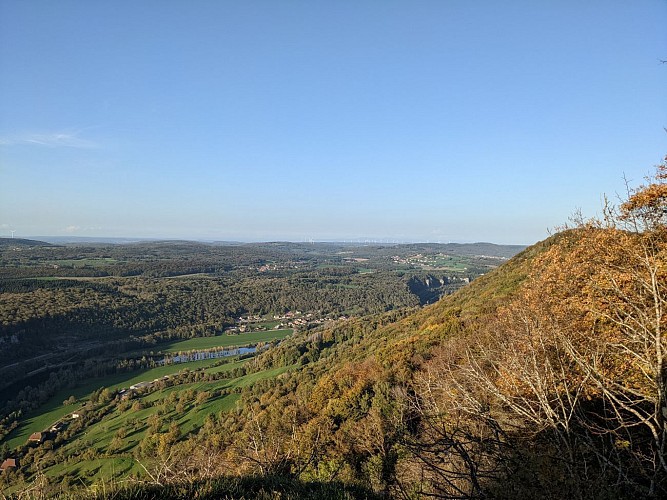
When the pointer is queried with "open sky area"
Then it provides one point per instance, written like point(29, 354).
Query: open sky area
point(268, 120)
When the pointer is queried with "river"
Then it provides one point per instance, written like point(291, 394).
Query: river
point(199, 355)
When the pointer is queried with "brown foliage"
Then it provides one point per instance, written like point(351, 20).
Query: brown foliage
point(574, 360)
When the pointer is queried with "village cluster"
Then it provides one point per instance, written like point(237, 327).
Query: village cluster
point(295, 320)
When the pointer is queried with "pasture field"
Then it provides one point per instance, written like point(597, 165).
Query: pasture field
point(49, 413)
point(135, 424)
point(91, 452)
point(446, 263)
point(224, 340)
point(271, 323)
point(109, 468)
point(54, 409)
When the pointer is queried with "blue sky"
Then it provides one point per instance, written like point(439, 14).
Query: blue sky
point(291, 120)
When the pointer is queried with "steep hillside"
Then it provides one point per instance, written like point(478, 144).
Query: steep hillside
point(545, 378)
point(353, 412)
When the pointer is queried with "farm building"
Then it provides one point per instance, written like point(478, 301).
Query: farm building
point(36, 437)
point(58, 426)
point(9, 464)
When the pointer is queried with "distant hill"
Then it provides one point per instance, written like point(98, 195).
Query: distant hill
point(467, 249)
point(84, 240)
point(461, 249)
point(487, 249)
point(23, 242)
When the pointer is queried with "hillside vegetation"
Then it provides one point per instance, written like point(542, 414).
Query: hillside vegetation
point(545, 378)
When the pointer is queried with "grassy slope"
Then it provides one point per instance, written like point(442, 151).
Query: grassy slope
point(98, 436)
point(393, 342)
point(54, 409)
point(226, 340)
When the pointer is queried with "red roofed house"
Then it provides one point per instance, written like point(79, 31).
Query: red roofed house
point(8, 464)
point(36, 437)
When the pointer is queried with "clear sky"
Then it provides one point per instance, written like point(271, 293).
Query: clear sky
point(289, 120)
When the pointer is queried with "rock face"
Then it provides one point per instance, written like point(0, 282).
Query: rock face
point(431, 287)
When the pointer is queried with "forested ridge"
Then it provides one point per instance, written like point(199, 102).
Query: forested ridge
point(544, 378)
point(56, 300)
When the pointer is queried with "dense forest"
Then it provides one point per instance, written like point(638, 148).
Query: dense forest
point(59, 300)
point(543, 378)
point(74, 315)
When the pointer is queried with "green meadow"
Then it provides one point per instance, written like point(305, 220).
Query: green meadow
point(53, 410)
point(242, 339)
point(134, 422)
point(201, 399)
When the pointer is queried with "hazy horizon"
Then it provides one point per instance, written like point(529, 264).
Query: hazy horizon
point(349, 241)
point(261, 120)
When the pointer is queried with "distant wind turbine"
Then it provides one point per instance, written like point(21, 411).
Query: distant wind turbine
point(12, 233)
